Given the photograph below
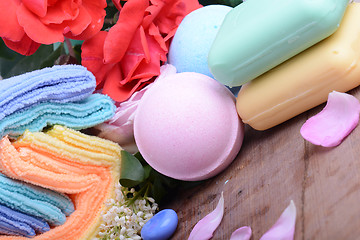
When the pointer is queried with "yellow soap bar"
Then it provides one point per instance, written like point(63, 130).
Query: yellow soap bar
point(305, 80)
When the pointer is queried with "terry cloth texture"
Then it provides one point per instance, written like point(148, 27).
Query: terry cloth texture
point(65, 83)
point(66, 161)
point(35, 201)
point(93, 110)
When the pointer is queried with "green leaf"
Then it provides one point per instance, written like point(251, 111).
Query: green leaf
point(50, 60)
point(8, 59)
point(43, 57)
point(147, 170)
point(131, 172)
point(141, 158)
point(231, 3)
point(158, 191)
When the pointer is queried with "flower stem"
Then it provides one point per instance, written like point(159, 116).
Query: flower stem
point(143, 191)
point(70, 48)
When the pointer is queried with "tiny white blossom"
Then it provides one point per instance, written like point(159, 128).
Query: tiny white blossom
point(125, 216)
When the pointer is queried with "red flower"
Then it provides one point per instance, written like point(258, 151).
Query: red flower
point(127, 57)
point(26, 24)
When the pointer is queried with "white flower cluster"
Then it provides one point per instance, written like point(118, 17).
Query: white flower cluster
point(126, 216)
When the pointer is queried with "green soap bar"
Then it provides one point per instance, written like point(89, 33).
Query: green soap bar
point(258, 35)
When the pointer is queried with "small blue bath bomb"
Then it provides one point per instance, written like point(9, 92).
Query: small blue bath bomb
point(192, 41)
point(161, 226)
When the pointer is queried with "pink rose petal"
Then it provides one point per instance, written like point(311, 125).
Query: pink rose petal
point(205, 228)
point(284, 227)
point(339, 117)
point(243, 233)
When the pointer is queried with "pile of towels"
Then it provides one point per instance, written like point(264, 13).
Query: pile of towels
point(54, 180)
point(58, 95)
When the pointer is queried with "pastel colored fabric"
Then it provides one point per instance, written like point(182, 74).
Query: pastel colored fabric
point(65, 83)
point(335, 122)
point(31, 23)
point(16, 223)
point(77, 115)
point(66, 161)
point(128, 56)
point(48, 205)
point(60, 201)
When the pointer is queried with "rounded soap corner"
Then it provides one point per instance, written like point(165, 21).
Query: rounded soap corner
point(342, 58)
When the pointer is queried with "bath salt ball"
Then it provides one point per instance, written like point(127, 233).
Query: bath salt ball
point(186, 126)
point(192, 41)
point(161, 226)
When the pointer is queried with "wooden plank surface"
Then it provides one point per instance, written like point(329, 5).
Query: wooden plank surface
point(274, 167)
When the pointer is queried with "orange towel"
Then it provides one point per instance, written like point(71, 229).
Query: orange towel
point(67, 161)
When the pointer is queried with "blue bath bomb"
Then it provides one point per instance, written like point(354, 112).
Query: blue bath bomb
point(191, 44)
point(161, 226)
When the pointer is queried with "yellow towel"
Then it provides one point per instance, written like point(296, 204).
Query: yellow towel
point(71, 162)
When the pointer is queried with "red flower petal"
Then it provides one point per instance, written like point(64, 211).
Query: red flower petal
point(170, 17)
point(128, 66)
point(152, 68)
point(170, 35)
point(92, 57)
point(144, 44)
point(191, 5)
point(25, 46)
point(147, 70)
point(11, 30)
point(134, 66)
point(117, 91)
point(61, 11)
point(154, 31)
point(134, 55)
point(153, 11)
point(97, 14)
point(98, 3)
point(120, 35)
point(39, 7)
point(36, 30)
point(52, 2)
point(78, 25)
point(117, 4)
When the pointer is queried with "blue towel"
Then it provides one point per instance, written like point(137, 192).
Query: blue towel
point(79, 115)
point(65, 83)
point(8, 227)
point(35, 201)
point(16, 223)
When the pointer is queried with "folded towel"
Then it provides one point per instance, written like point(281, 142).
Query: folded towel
point(17, 223)
point(86, 113)
point(35, 201)
point(65, 83)
point(64, 153)
point(9, 227)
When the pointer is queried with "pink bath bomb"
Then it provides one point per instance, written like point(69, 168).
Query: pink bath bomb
point(186, 127)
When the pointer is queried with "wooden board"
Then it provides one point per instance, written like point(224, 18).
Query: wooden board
point(274, 167)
